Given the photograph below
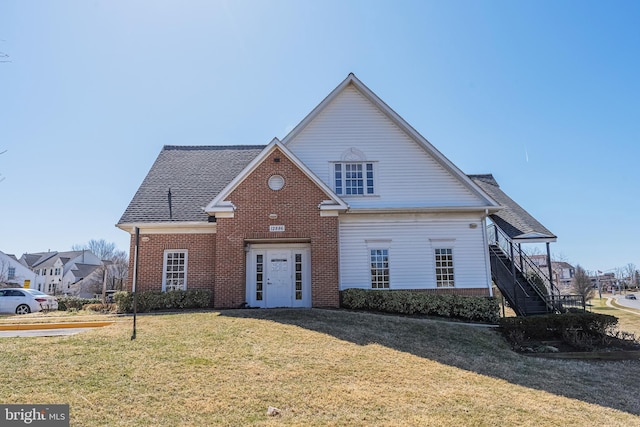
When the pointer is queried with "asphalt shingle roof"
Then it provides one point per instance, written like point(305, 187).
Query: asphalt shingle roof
point(83, 270)
point(512, 218)
point(194, 174)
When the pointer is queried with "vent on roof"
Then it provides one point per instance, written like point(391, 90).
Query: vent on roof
point(170, 207)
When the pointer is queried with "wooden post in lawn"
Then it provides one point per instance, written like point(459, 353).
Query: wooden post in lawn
point(135, 282)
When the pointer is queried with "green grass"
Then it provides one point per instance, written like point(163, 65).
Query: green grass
point(319, 367)
point(628, 318)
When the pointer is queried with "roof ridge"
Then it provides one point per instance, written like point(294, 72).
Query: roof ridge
point(213, 147)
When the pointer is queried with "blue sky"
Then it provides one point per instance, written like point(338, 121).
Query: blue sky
point(543, 94)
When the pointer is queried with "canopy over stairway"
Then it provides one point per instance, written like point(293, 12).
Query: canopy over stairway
point(527, 288)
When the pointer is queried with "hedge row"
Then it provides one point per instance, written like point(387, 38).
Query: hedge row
point(555, 326)
point(75, 303)
point(156, 300)
point(476, 309)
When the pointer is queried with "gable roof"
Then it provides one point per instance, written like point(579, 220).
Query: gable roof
point(516, 222)
point(81, 271)
point(218, 203)
point(31, 260)
point(194, 175)
point(352, 80)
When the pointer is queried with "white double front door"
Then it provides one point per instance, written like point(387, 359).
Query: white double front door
point(278, 276)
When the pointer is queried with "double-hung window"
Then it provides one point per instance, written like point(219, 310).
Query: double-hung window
point(11, 273)
point(444, 267)
point(379, 268)
point(354, 178)
point(174, 275)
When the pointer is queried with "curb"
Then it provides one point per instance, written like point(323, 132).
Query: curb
point(38, 326)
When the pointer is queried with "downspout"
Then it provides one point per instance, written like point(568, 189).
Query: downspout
point(486, 253)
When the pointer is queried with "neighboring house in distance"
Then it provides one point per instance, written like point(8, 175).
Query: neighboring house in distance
point(352, 197)
point(52, 268)
point(563, 272)
point(83, 280)
point(13, 273)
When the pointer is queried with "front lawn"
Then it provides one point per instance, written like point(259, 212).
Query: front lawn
point(318, 367)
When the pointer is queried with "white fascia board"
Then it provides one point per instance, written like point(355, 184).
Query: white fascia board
point(314, 113)
point(422, 141)
point(225, 209)
point(534, 238)
point(400, 122)
point(219, 204)
point(335, 200)
point(485, 210)
point(219, 200)
point(170, 227)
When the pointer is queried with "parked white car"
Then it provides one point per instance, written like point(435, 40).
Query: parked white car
point(23, 301)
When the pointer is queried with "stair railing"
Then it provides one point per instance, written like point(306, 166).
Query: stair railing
point(539, 280)
point(503, 273)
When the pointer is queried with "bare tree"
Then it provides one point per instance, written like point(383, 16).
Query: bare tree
point(119, 270)
point(582, 284)
point(4, 273)
point(115, 263)
point(101, 248)
point(630, 273)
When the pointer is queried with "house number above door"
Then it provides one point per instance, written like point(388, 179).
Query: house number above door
point(276, 228)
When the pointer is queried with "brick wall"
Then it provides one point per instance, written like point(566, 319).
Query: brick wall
point(200, 267)
point(296, 207)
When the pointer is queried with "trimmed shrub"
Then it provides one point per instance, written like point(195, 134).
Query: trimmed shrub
point(559, 326)
point(75, 303)
point(101, 308)
point(475, 309)
point(156, 300)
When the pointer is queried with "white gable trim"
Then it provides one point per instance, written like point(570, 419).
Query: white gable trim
point(401, 123)
point(170, 227)
point(220, 205)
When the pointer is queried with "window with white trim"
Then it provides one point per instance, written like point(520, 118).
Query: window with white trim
point(444, 267)
point(354, 178)
point(174, 276)
point(11, 273)
point(379, 268)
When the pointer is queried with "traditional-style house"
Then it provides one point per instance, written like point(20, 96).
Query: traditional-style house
point(13, 274)
point(83, 280)
point(352, 197)
point(51, 267)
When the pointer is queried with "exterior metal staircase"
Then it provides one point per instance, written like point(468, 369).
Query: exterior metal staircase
point(526, 288)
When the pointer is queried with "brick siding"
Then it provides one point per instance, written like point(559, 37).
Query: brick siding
point(200, 268)
point(296, 207)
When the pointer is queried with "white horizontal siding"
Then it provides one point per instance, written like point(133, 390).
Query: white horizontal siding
point(410, 239)
point(406, 175)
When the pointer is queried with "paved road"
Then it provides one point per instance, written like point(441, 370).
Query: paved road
point(621, 300)
point(42, 332)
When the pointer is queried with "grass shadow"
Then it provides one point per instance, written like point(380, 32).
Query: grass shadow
point(473, 348)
